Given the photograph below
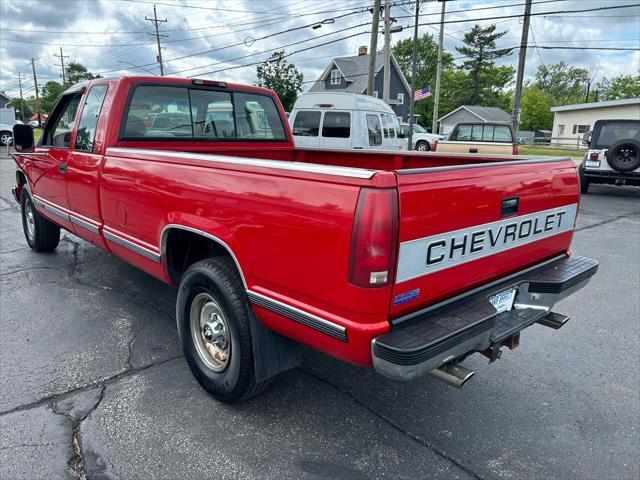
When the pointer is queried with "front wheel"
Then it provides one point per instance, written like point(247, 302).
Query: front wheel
point(214, 325)
point(423, 146)
point(41, 234)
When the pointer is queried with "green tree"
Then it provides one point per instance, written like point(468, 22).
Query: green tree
point(618, 88)
point(536, 109)
point(564, 84)
point(24, 108)
point(426, 65)
point(76, 72)
point(485, 81)
point(50, 93)
point(282, 77)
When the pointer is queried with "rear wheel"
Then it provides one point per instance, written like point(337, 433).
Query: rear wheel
point(41, 234)
point(214, 325)
point(423, 146)
point(584, 182)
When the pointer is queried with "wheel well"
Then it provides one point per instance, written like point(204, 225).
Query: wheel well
point(183, 248)
point(20, 178)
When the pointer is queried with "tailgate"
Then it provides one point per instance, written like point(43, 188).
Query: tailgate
point(461, 227)
point(475, 147)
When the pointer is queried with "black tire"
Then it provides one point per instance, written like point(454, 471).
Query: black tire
point(624, 155)
point(423, 146)
point(584, 182)
point(5, 137)
point(218, 279)
point(42, 235)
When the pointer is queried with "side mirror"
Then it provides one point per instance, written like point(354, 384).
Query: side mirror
point(23, 138)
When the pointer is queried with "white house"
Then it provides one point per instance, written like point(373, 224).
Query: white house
point(573, 121)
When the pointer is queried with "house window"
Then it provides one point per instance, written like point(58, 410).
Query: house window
point(580, 128)
point(335, 77)
point(560, 130)
point(401, 98)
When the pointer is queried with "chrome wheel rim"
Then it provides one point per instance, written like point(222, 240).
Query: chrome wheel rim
point(5, 139)
point(30, 220)
point(422, 147)
point(210, 332)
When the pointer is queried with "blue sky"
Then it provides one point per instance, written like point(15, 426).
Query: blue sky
point(111, 36)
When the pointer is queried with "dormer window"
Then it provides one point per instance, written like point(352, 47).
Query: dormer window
point(335, 77)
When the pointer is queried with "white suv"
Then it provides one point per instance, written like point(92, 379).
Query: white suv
point(613, 156)
point(421, 140)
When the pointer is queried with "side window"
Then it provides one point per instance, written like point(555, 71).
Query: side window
point(212, 114)
point(463, 133)
point(58, 132)
point(89, 118)
point(385, 128)
point(375, 133)
point(336, 125)
point(306, 124)
point(257, 117)
point(158, 112)
point(391, 122)
point(502, 134)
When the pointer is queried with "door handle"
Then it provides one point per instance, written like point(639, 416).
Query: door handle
point(62, 168)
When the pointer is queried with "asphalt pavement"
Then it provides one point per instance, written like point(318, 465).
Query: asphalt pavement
point(93, 383)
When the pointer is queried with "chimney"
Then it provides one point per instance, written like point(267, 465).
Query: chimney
point(362, 50)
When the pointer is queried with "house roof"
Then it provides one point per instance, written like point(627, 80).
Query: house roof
point(608, 103)
point(486, 114)
point(4, 95)
point(354, 70)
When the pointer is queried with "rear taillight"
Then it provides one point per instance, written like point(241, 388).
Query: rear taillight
point(434, 145)
point(516, 150)
point(374, 238)
point(594, 156)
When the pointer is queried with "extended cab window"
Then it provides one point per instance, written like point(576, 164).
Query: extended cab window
point(57, 133)
point(336, 124)
point(89, 118)
point(306, 124)
point(159, 113)
point(375, 133)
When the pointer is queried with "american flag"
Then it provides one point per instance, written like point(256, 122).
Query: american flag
point(421, 93)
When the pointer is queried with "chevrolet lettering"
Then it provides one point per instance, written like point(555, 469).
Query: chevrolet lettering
point(407, 262)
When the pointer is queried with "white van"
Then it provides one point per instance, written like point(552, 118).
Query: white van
point(344, 121)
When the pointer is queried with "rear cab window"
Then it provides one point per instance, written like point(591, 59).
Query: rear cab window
point(483, 133)
point(157, 112)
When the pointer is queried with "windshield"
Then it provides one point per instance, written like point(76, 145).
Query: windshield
point(419, 129)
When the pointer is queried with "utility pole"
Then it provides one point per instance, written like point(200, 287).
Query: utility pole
point(62, 57)
point(515, 115)
point(387, 52)
point(157, 22)
point(414, 59)
point(21, 99)
point(436, 103)
point(373, 47)
point(35, 82)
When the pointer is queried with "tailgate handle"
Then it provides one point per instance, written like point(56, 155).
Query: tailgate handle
point(473, 150)
point(509, 206)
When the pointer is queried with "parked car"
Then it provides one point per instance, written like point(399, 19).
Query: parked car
point(357, 253)
point(6, 134)
point(34, 123)
point(421, 140)
point(480, 137)
point(344, 121)
point(613, 156)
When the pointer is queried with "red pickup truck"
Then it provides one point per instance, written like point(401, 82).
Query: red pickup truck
point(404, 261)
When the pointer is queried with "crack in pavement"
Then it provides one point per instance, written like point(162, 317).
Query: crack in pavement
point(103, 382)
point(396, 427)
point(609, 220)
point(13, 272)
point(77, 461)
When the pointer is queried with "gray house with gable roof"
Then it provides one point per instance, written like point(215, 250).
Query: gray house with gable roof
point(350, 74)
point(471, 113)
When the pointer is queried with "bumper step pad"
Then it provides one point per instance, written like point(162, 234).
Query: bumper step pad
point(473, 321)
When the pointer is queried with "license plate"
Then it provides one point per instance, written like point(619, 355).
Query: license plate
point(593, 163)
point(503, 301)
